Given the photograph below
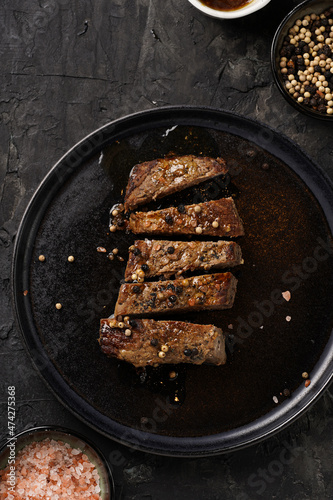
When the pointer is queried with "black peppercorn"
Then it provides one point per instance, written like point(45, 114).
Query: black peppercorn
point(170, 250)
point(154, 342)
point(136, 289)
point(181, 209)
point(145, 267)
point(327, 51)
point(133, 323)
point(136, 251)
point(195, 351)
point(187, 352)
point(168, 219)
point(173, 298)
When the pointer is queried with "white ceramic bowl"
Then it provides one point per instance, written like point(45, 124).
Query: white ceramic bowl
point(230, 14)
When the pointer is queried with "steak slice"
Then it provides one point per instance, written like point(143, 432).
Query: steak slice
point(157, 178)
point(214, 218)
point(162, 257)
point(142, 346)
point(214, 291)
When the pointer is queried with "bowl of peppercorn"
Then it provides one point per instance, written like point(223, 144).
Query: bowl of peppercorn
point(302, 58)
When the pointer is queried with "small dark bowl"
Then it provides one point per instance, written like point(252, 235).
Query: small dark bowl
point(305, 8)
point(66, 436)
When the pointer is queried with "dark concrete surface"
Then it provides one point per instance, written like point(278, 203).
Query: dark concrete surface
point(67, 68)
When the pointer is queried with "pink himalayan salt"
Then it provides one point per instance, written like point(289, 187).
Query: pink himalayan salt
point(51, 470)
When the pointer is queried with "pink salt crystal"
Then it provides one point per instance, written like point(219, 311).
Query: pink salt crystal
point(36, 472)
point(286, 295)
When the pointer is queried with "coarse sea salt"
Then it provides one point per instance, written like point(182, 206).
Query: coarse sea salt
point(44, 471)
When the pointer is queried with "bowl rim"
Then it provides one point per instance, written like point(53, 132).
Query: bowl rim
point(62, 431)
point(252, 7)
point(275, 70)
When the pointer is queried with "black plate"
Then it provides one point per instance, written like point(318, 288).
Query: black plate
point(286, 204)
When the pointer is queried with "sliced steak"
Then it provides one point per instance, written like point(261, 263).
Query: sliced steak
point(212, 218)
point(149, 342)
point(150, 258)
point(214, 291)
point(157, 178)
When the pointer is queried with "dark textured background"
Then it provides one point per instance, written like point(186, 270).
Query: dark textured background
point(68, 67)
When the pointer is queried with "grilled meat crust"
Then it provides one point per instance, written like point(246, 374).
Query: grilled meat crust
point(212, 218)
point(214, 291)
point(186, 342)
point(168, 258)
point(157, 178)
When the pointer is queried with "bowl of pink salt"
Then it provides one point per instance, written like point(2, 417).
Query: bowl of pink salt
point(53, 463)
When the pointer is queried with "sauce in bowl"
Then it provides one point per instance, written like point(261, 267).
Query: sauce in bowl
point(226, 4)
